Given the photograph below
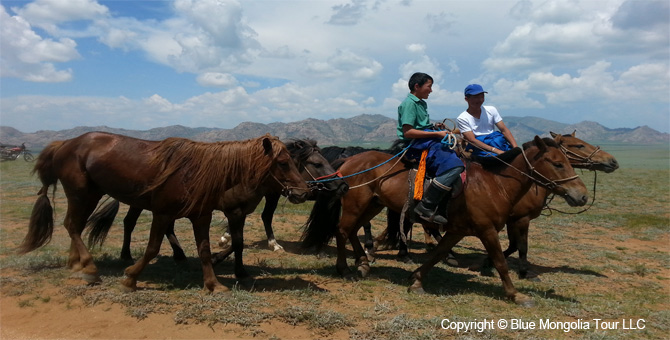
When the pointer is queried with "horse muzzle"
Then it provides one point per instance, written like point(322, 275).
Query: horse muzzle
point(296, 196)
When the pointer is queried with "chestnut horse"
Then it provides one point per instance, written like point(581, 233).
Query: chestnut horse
point(581, 154)
point(481, 210)
point(173, 178)
point(304, 152)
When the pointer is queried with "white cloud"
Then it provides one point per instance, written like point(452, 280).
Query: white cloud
point(47, 14)
point(28, 56)
point(217, 79)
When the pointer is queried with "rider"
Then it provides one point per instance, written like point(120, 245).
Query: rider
point(441, 162)
point(478, 123)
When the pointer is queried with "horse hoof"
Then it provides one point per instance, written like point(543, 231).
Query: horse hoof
point(246, 283)
point(128, 285)
point(91, 279)
point(350, 277)
point(278, 249)
point(364, 270)
point(217, 289)
point(451, 260)
point(415, 290)
point(486, 271)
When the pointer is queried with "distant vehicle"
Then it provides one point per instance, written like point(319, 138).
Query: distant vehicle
point(12, 153)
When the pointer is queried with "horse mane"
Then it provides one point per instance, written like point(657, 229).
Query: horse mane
point(301, 149)
point(546, 140)
point(212, 168)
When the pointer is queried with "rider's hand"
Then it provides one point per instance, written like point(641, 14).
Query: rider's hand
point(440, 126)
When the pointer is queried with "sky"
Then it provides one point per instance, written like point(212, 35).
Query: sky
point(214, 63)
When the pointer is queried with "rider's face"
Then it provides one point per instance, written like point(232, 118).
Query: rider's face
point(475, 100)
point(424, 90)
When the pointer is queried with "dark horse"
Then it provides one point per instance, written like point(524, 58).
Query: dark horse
point(310, 162)
point(481, 210)
point(581, 154)
point(173, 178)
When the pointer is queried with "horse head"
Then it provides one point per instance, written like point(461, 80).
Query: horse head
point(315, 168)
point(551, 169)
point(284, 171)
point(583, 155)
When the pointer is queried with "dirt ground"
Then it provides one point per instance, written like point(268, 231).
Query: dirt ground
point(44, 309)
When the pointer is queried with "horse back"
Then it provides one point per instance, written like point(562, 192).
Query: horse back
point(114, 164)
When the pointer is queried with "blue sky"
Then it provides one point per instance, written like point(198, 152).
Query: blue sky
point(215, 63)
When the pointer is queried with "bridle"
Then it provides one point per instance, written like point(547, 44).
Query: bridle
point(550, 184)
point(576, 159)
point(317, 183)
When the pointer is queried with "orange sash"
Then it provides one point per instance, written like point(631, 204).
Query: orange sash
point(420, 176)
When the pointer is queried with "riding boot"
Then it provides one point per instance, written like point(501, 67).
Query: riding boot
point(427, 208)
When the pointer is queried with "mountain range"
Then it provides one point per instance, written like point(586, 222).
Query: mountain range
point(363, 130)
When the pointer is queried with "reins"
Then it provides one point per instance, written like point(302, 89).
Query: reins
point(549, 184)
point(399, 155)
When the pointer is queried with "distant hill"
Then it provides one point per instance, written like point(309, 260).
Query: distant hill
point(364, 130)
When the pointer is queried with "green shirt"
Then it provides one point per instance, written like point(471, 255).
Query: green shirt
point(413, 111)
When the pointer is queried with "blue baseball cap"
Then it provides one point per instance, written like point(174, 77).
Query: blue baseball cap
point(474, 89)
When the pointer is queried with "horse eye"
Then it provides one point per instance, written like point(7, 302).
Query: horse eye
point(579, 146)
point(559, 165)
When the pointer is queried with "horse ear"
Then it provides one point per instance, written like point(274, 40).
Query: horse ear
point(557, 138)
point(553, 135)
point(540, 143)
point(267, 145)
point(573, 133)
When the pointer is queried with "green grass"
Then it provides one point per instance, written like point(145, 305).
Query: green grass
point(589, 264)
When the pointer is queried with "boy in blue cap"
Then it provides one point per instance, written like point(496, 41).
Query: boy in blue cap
point(441, 162)
point(478, 123)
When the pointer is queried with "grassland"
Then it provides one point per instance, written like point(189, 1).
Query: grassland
point(611, 262)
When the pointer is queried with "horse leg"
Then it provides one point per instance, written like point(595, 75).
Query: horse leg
point(178, 254)
point(129, 223)
point(520, 243)
point(236, 228)
point(158, 227)
point(489, 239)
point(438, 253)
point(369, 241)
point(403, 248)
point(201, 233)
point(362, 261)
point(271, 201)
point(80, 259)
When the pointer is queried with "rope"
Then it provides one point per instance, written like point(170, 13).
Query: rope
point(550, 209)
point(398, 155)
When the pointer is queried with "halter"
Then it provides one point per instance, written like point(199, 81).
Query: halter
point(317, 183)
point(549, 184)
point(286, 190)
point(579, 159)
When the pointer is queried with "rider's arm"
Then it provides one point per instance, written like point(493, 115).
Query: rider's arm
point(507, 133)
point(410, 132)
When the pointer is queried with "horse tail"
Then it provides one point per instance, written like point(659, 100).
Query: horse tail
point(41, 225)
point(322, 222)
point(100, 222)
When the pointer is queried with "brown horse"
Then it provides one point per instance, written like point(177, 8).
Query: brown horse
point(313, 167)
point(481, 210)
point(581, 154)
point(173, 178)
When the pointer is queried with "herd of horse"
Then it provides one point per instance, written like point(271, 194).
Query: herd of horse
point(179, 178)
